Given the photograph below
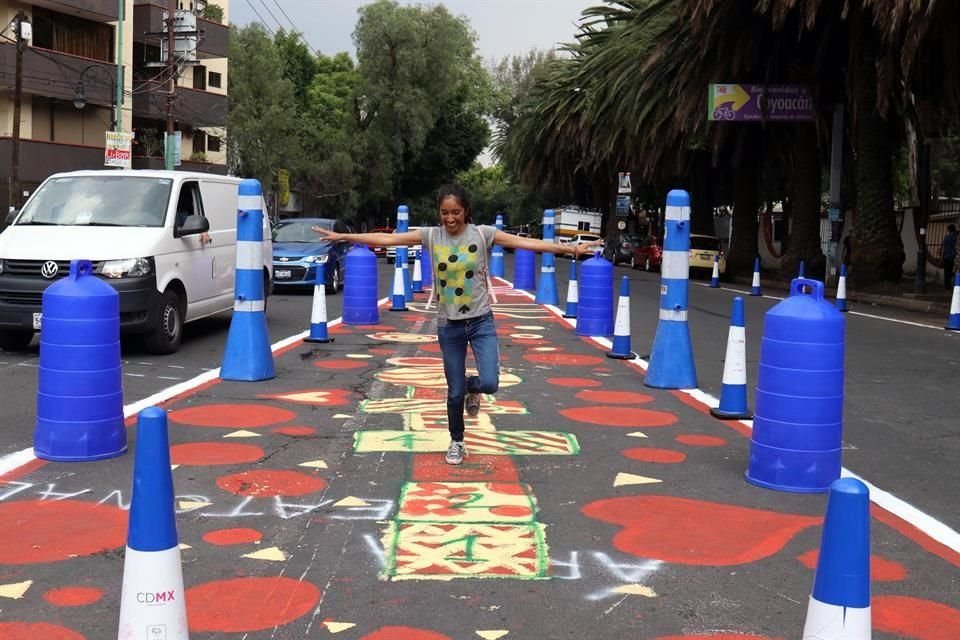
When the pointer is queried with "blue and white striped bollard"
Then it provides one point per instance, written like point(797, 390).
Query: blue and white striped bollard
point(497, 268)
point(953, 323)
point(547, 286)
point(842, 289)
point(715, 278)
point(318, 312)
point(248, 356)
point(573, 292)
point(621, 329)
point(755, 287)
point(733, 391)
point(802, 270)
point(403, 253)
point(417, 273)
point(671, 358)
point(399, 300)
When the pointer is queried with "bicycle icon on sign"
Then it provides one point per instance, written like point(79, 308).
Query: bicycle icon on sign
point(724, 112)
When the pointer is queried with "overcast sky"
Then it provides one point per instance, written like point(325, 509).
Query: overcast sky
point(503, 27)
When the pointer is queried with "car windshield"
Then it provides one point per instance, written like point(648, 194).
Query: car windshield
point(300, 231)
point(705, 243)
point(99, 201)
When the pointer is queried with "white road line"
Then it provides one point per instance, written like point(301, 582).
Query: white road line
point(167, 378)
point(136, 375)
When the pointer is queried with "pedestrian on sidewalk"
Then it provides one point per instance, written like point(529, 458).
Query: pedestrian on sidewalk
point(949, 254)
point(459, 252)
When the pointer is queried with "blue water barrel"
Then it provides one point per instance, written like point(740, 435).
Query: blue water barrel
point(80, 388)
point(426, 268)
point(360, 287)
point(798, 421)
point(524, 270)
point(595, 306)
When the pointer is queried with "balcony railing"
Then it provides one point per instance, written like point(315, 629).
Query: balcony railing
point(55, 75)
point(192, 107)
point(96, 10)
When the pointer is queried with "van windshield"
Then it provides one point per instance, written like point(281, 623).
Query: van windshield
point(104, 201)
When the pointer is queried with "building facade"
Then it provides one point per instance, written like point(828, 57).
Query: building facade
point(69, 78)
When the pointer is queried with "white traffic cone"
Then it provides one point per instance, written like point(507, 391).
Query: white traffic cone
point(399, 295)
point(318, 314)
point(621, 330)
point(733, 390)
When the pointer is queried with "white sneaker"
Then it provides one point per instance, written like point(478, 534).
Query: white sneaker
point(456, 452)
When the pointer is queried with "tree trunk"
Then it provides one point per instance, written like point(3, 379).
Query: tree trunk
point(701, 195)
point(877, 251)
point(805, 200)
point(744, 237)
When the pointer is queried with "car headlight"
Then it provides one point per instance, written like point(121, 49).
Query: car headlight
point(128, 268)
point(317, 259)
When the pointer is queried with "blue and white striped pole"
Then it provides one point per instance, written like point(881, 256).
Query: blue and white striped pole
point(403, 225)
point(839, 607)
point(671, 358)
point(248, 356)
point(318, 313)
point(733, 391)
point(417, 273)
point(152, 595)
point(621, 329)
point(802, 270)
point(755, 286)
point(497, 269)
point(715, 278)
point(399, 299)
point(953, 323)
point(842, 290)
point(547, 286)
point(573, 292)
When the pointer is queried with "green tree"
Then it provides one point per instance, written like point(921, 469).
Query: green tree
point(299, 64)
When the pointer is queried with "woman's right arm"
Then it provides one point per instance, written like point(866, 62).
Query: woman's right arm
point(405, 239)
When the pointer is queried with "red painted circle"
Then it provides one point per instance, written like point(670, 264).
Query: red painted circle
point(507, 488)
point(232, 416)
point(620, 416)
point(565, 359)
point(615, 397)
point(644, 454)
point(266, 483)
point(200, 454)
point(341, 364)
point(226, 537)
point(881, 569)
point(574, 382)
point(248, 604)
point(698, 440)
point(530, 342)
point(36, 630)
point(907, 617)
point(404, 633)
point(73, 596)
point(430, 348)
point(718, 636)
point(296, 432)
point(53, 530)
point(511, 511)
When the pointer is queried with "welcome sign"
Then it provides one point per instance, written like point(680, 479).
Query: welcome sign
point(759, 102)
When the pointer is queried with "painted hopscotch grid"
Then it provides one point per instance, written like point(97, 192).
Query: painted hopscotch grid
point(466, 502)
point(504, 443)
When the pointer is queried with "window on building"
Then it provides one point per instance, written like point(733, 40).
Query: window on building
point(215, 79)
point(199, 141)
point(200, 77)
point(70, 34)
point(583, 226)
point(213, 143)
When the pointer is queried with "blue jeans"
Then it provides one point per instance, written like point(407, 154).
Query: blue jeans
point(481, 334)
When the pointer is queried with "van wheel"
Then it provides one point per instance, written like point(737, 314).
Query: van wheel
point(167, 332)
point(335, 280)
point(15, 340)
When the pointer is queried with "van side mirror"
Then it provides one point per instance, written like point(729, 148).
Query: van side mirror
point(193, 225)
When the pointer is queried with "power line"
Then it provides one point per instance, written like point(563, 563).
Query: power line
point(262, 21)
point(295, 30)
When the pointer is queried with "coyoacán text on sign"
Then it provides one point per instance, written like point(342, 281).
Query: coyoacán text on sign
point(756, 102)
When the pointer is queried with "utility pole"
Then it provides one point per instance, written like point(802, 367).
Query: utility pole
point(171, 86)
point(14, 197)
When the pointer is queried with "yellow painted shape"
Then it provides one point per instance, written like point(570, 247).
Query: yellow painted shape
point(403, 338)
point(530, 327)
point(342, 415)
point(306, 397)
point(337, 627)
point(242, 433)
point(359, 356)
point(273, 554)
point(174, 467)
point(637, 434)
point(444, 551)
point(628, 478)
point(187, 505)
point(544, 348)
point(351, 501)
point(314, 464)
point(490, 443)
point(466, 502)
point(526, 336)
point(184, 545)
point(438, 420)
point(432, 377)
point(636, 590)
point(492, 634)
point(15, 590)
point(434, 405)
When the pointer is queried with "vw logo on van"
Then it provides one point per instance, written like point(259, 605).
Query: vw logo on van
point(49, 269)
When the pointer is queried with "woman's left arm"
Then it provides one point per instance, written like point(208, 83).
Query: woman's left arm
point(511, 241)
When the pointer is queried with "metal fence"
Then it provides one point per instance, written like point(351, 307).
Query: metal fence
point(942, 213)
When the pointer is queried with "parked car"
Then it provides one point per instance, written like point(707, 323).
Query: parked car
point(581, 238)
point(165, 240)
point(298, 250)
point(647, 254)
point(380, 252)
point(391, 252)
point(703, 251)
point(621, 250)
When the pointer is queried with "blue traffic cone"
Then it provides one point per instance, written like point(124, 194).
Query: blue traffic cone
point(547, 286)
point(318, 314)
point(953, 323)
point(715, 278)
point(839, 607)
point(842, 289)
point(399, 297)
point(755, 287)
point(152, 598)
point(248, 356)
point(801, 272)
point(417, 273)
point(573, 293)
point(621, 330)
point(733, 391)
point(671, 363)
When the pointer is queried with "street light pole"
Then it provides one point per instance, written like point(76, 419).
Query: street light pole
point(80, 98)
point(171, 87)
point(21, 25)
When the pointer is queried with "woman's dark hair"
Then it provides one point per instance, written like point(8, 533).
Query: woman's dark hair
point(457, 191)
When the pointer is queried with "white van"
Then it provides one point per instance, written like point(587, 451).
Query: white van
point(165, 240)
